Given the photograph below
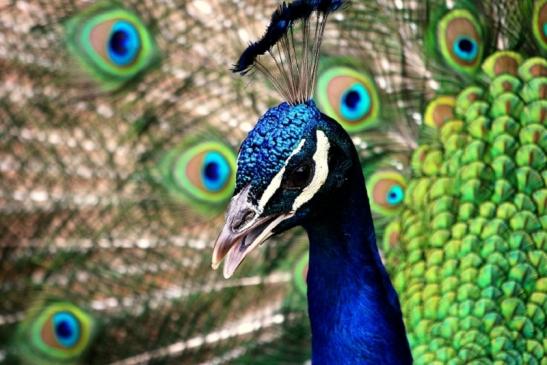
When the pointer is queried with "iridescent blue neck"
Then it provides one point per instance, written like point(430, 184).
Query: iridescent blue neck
point(353, 308)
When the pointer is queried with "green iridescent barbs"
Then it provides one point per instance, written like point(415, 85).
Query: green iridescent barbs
point(300, 274)
point(111, 44)
point(459, 38)
point(468, 249)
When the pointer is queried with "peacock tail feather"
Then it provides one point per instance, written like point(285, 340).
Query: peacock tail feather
point(121, 123)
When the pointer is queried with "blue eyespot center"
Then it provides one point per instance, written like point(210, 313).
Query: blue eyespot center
point(466, 48)
point(67, 329)
point(352, 99)
point(395, 195)
point(215, 172)
point(124, 43)
point(545, 29)
point(212, 171)
point(355, 103)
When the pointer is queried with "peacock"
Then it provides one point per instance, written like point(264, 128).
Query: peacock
point(299, 167)
point(121, 123)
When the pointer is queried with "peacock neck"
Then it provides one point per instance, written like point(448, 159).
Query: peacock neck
point(354, 311)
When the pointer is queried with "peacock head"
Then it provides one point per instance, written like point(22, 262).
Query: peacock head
point(293, 158)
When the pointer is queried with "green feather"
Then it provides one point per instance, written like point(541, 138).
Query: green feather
point(457, 37)
point(56, 332)
point(539, 24)
point(468, 207)
point(300, 274)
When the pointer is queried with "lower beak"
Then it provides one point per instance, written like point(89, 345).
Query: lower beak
point(236, 244)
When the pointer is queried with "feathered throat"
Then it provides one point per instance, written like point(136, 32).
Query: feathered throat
point(292, 41)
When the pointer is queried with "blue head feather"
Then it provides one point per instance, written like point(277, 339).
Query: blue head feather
point(270, 143)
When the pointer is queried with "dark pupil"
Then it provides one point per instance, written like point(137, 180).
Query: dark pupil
point(299, 177)
point(352, 99)
point(63, 329)
point(211, 171)
point(118, 42)
point(392, 195)
point(465, 45)
point(301, 174)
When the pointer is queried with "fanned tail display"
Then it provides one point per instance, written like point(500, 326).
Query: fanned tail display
point(121, 124)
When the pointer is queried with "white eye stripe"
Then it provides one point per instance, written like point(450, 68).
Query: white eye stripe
point(320, 157)
point(276, 181)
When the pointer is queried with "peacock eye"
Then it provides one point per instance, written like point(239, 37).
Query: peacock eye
point(59, 333)
point(386, 189)
point(460, 40)
point(199, 172)
point(111, 43)
point(300, 177)
point(349, 96)
point(355, 103)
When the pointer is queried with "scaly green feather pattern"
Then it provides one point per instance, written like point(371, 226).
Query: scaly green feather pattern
point(470, 268)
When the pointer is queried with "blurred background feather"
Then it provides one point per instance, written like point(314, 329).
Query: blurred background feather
point(120, 125)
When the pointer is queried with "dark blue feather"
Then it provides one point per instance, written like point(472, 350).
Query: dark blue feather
point(281, 21)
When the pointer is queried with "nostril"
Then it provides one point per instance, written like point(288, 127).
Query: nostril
point(242, 219)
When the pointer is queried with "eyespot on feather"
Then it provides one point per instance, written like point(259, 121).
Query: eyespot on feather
point(111, 44)
point(201, 173)
point(386, 191)
point(460, 40)
point(59, 333)
point(349, 96)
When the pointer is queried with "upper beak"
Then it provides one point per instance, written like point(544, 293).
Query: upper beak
point(243, 230)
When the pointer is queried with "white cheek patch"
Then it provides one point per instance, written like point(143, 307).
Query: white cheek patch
point(320, 157)
point(276, 181)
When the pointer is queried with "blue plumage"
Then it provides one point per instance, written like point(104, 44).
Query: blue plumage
point(354, 311)
point(271, 142)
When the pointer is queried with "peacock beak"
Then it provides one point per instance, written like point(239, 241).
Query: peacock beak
point(244, 229)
